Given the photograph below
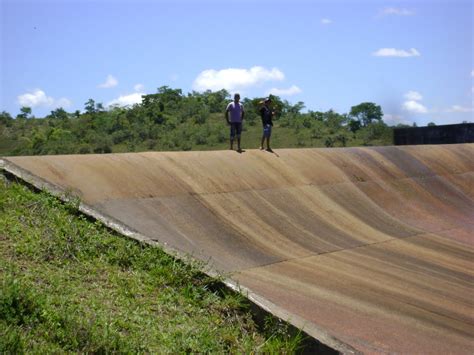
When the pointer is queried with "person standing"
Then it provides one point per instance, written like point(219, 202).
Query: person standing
point(267, 122)
point(236, 111)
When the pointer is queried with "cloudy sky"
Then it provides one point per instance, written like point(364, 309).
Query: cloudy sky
point(414, 58)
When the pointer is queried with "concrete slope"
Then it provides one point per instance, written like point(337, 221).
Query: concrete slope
point(372, 248)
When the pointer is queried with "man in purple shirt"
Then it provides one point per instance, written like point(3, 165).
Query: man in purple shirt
point(236, 110)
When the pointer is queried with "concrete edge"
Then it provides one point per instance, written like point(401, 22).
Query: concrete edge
point(319, 335)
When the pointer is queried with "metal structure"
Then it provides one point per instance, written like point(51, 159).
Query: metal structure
point(444, 134)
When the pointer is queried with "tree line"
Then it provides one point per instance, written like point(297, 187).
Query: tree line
point(172, 120)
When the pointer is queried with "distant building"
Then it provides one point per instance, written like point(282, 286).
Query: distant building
point(444, 134)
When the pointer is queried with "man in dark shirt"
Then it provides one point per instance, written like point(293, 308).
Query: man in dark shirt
point(267, 114)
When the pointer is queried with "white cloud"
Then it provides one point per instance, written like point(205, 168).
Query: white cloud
point(393, 120)
point(414, 107)
point(393, 52)
point(472, 73)
point(110, 82)
point(326, 21)
point(396, 11)
point(413, 96)
point(293, 90)
point(458, 108)
point(38, 98)
point(235, 78)
point(127, 100)
point(139, 87)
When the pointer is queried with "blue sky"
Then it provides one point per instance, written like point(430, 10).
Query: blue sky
point(414, 58)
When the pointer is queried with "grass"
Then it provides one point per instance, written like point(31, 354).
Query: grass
point(72, 285)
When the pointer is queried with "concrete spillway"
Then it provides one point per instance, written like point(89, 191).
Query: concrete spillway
point(370, 249)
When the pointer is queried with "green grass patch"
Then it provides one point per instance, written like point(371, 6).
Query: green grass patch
point(71, 285)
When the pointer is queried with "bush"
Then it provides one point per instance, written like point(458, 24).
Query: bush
point(329, 142)
point(84, 149)
point(151, 144)
point(200, 138)
point(222, 136)
point(185, 145)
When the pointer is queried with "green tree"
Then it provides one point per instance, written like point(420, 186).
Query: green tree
point(170, 98)
point(60, 141)
point(334, 121)
point(296, 108)
point(89, 106)
point(37, 142)
point(354, 125)
point(366, 113)
point(215, 101)
point(59, 114)
point(25, 112)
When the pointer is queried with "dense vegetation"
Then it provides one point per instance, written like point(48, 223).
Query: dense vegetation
point(171, 120)
point(69, 285)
